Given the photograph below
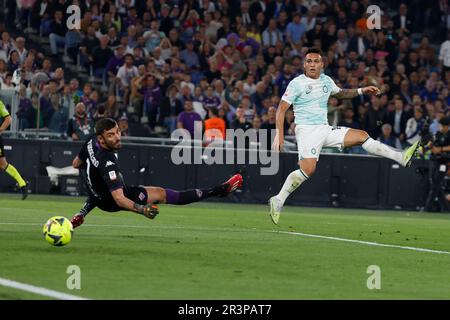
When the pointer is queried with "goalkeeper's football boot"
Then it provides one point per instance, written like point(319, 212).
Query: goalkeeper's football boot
point(77, 220)
point(409, 153)
point(275, 209)
point(233, 183)
point(227, 187)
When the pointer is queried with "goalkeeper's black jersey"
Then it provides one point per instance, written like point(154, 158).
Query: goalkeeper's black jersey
point(102, 170)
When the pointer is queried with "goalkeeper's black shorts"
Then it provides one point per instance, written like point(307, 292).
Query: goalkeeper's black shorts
point(135, 194)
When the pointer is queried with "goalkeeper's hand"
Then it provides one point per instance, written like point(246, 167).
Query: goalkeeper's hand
point(148, 210)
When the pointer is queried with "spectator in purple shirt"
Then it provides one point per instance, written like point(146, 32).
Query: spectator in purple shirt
point(152, 97)
point(210, 100)
point(115, 62)
point(187, 118)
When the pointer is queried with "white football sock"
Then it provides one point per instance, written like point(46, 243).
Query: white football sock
point(293, 181)
point(380, 149)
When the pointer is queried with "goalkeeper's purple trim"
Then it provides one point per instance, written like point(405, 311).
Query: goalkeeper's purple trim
point(172, 196)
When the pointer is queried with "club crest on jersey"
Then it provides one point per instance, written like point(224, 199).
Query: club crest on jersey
point(112, 175)
point(313, 151)
point(141, 196)
point(325, 89)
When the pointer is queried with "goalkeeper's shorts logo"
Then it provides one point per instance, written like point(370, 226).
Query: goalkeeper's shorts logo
point(313, 151)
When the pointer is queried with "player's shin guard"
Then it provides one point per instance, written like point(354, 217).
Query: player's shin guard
point(380, 149)
point(293, 181)
point(15, 175)
point(189, 196)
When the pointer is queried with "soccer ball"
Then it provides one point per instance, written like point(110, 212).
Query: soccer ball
point(58, 231)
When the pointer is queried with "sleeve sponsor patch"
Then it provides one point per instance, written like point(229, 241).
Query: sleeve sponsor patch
point(112, 175)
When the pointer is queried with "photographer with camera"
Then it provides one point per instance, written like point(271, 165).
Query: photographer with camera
point(440, 148)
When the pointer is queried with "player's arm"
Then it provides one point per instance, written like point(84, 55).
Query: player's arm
point(6, 123)
point(279, 122)
point(77, 162)
point(130, 205)
point(351, 93)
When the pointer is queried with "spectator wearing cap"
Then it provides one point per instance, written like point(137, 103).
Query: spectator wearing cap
point(187, 118)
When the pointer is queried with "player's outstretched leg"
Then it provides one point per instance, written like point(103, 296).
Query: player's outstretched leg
point(12, 171)
point(78, 219)
point(360, 137)
point(195, 195)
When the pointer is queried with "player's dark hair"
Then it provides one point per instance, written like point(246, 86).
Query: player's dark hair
point(314, 50)
point(104, 124)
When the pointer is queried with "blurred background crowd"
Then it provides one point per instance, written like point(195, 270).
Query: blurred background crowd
point(158, 65)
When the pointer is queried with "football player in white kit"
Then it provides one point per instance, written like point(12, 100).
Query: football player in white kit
point(308, 94)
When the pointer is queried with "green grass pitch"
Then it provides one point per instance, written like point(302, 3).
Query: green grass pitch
point(225, 251)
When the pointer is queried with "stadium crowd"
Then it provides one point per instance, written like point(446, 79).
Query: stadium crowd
point(165, 64)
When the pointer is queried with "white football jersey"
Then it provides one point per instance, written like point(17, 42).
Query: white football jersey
point(309, 98)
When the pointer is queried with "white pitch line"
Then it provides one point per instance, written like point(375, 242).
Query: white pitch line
point(39, 290)
point(376, 244)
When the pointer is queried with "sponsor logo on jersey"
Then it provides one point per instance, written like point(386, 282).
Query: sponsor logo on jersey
point(309, 89)
point(109, 163)
point(199, 192)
